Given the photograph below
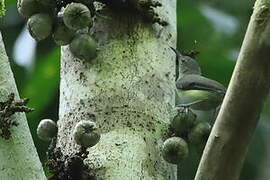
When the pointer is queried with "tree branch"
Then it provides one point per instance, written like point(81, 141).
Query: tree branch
point(18, 156)
point(227, 145)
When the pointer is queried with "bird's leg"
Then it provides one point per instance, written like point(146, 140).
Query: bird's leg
point(183, 110)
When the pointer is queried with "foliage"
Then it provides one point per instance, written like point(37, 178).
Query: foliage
point(2, 8)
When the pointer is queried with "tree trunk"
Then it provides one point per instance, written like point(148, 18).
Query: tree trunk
point(18, 156)
point(128, 90)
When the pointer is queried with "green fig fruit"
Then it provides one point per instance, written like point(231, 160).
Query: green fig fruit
point(199, 133)
point(28, 7)
point(77, 16)
point(62, 35)
point(47, 129)
point(40, 26)
point(183, 121)
point(174, 150)
point(89, 4)
point(85, 134)
point(84, 47)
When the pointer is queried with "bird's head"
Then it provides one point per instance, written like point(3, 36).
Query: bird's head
point(186, 64)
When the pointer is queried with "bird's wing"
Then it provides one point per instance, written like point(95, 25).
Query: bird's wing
point(197, 82)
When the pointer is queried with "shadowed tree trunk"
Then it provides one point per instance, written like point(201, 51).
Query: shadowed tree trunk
point(227, 145)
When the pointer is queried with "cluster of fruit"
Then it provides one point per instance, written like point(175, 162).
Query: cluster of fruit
point(70, 166)
point(186, 131)
point(85, 133)
point(65, 20)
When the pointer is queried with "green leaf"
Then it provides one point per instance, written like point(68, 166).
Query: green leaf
point(2, 8)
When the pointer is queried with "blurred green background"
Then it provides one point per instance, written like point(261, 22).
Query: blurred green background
point(215, 28)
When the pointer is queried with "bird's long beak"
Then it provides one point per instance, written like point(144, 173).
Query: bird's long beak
point(176, 52)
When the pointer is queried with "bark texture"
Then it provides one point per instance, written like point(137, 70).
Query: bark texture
point(227, 145)
point(18, 156)
point(128, 90)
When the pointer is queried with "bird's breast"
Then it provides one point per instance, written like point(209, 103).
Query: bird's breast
point(207, 100)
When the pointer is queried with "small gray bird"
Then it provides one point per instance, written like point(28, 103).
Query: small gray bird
point(194, 90)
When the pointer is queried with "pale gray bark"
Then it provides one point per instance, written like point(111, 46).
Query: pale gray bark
point(227, 145)
point(18, 156)
point(128, 90)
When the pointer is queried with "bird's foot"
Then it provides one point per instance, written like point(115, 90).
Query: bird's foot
point(183, 108)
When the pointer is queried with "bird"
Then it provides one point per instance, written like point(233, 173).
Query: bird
point(194, 90)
